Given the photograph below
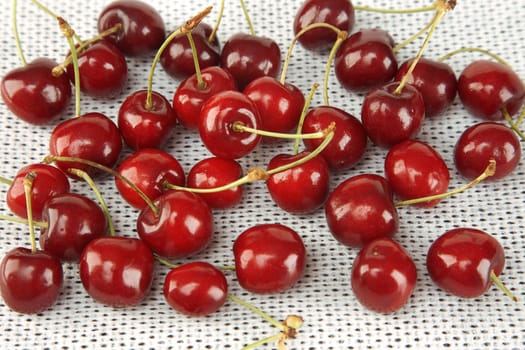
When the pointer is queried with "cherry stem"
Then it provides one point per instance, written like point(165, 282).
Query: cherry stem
point(68, 32)
point(520, 118)
point(211, 38)
point(28, 186)
point(489, 171)
point(85, 176)
point(473, 49)
point(303, 116)
point(16, 34)
point(258, 311)
point(341, 36)
point(22, 221)
point(52, 14)
point(201, 84)
point(247, 16)
point(514, 126)
point(497, 281)
point(263, 341)
point(240, 127)
point(395, 11)
point(6, 181)
point(410, 39)
point(172, 265)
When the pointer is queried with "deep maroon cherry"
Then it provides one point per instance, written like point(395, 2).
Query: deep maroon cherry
point(415, 169)
point(339, 13)
point(30, 282)
point(143, 127)
point(48, 94)
point(195, 289)
point(142, 32)
point(117, 271)
point(486, 88)
point(482, 142)
point(383, 276)
point(361, 209)
point(269, 258)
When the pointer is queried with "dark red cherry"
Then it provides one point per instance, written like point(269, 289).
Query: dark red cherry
point(339, 13)
point(214, 172)
point(216, 126)
point(183, 226)
point(195, 289)
point(482, 142)
point(365, 60)
point(161, 168)
point(436, 81)
point(30, 282)
point(349, 141)
point(117, 271)
point(415, 169)
point(73, 220)
point(390, 117)
point(486, 88)
point(461, 260)
point(383, 276)
point(269, 258)
point(248, 57)
point(361, 209)
point(190, 97)
point(142, 32)
point(48, 94)
point(143, 127)
point(48, 182)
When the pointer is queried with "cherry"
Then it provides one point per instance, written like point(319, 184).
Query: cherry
point(183, 225)
point(361, 209)
point(383, 276)
point(30, 281)
point(339, 13)
point(117, 271)
point(142, 30)
point(195, 289)
point(486, 88)
point(482, 142)
point(414, 169)
point(49, 182)
point(161, 167)
point(269, 258)
point(49, 93)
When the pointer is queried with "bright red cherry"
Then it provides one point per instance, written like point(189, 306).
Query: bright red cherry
point(269, 258)
point(361, 209)
point(195, 289)
point(30, 282)
point(383, 276)
point(117, 271)
point(142, 32)
point(486, 88)
point(482, 142)
point(49, 94)
point(339, 13)
point(415, 169)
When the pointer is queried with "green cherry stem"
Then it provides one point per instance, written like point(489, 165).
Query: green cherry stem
point(247, 16)
point(28, 187)
point(395, 11)
point(16, 34)
point(257, 311)
point(341, 36)
point(497, 281)
point(240, 127)
point(18, 220)
point(6, 181)
point(520, 118)
point(68, 32)
point(201, 84)
point(473, 49)
point(514, 126)
point(303, 116)
point(411, 38)
point(213, 33)
point(52, 14)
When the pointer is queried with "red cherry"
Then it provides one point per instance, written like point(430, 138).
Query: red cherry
point(142, 30)
point(390, 117)
point(339, 13)
point(269, 258)
point(195, 289)
point(143, 127)
point(30, 282)
point(49, 94)
point(482, 142)
point(117, 271)
point(183, 226)
point(486, 88)
point(383, 276)
point(414, 170)
point(49, 182)
point(461, 260)
point(161, 168)
point(361, 209)
point(73, 220)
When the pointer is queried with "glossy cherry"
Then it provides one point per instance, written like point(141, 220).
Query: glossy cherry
point(30, 282)
point(49, 94)
point(269, 258)
point(383, 276)
point(361, 209)
point(482, 142)
point(143, 29)
point(117, 271)
point(196, 289)
point(415, 169)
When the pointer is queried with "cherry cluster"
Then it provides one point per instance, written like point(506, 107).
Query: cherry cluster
point(231, 96)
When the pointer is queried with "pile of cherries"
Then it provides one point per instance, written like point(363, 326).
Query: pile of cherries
point(234, 100)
